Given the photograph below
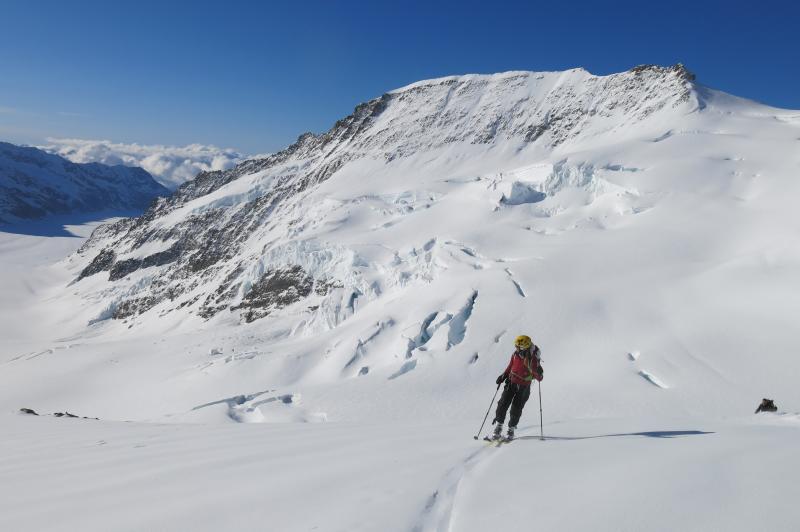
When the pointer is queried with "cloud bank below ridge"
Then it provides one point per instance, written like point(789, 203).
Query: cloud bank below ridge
point(169, 165)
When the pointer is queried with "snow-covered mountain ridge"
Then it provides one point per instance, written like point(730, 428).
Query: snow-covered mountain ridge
point(34, 184)
point(514, 110)
point(476, 109)
point(639, 226)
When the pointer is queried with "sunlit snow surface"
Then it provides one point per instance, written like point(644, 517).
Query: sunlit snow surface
point(654, 261)
point(632, 474)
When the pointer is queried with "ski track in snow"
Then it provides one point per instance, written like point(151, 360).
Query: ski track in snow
point(437, 514)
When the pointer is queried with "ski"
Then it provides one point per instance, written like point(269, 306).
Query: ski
point(496, 442)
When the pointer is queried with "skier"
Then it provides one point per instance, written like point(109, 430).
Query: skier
point(525, 365)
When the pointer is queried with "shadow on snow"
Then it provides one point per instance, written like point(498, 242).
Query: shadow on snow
point(57, 225)
point(649, 434)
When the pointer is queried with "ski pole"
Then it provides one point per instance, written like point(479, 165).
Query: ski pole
point(487, 412)
point(541, 423)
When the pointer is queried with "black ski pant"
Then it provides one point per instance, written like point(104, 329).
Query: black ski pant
point(515, 396)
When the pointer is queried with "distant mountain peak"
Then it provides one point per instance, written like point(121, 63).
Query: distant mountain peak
point(35, 184)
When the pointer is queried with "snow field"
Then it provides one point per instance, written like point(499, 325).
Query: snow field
point(610, 474)
point(654, 260)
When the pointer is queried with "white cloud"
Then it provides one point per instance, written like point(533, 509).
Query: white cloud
point(169, 165)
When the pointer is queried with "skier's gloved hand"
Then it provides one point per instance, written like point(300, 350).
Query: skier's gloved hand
point(540, 371)
point(500, 379)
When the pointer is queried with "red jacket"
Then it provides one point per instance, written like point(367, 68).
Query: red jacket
point(522, 370)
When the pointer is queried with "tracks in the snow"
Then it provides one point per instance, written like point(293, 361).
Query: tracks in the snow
point(437, 514)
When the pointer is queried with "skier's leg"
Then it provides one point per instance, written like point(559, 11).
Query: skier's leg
point(505, 401)
point(518, 404)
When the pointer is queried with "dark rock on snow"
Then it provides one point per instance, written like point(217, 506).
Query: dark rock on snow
point(767, 405)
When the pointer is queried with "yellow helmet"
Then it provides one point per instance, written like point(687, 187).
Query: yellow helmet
point(523, 342)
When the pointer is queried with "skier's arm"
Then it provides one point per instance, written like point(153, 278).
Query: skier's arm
point(504, 376)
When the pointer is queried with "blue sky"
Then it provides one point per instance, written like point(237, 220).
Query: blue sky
point(254, 75)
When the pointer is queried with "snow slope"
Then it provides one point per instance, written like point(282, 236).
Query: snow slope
point(35, 184)
point(368, 283)
point(606, 475)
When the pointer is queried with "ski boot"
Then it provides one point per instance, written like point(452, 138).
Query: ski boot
point(498, 432)
point(510, 433)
